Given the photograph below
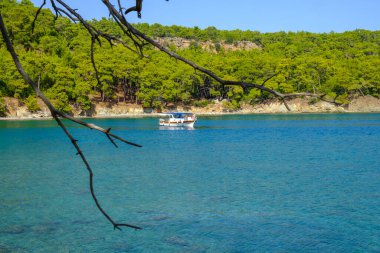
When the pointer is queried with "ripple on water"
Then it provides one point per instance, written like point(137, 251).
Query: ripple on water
point(14, 229)
point(233, 184)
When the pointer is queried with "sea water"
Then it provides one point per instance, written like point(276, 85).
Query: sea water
point(241, 183)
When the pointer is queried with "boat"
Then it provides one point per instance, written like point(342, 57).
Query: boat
point(177, 119)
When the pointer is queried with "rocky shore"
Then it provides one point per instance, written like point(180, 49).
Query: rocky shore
point(16, 110)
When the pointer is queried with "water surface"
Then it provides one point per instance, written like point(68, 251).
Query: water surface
point(238, 183)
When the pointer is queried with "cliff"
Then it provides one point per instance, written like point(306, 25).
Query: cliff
point(210, 46)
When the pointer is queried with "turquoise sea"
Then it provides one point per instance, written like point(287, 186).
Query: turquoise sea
point(241, 183)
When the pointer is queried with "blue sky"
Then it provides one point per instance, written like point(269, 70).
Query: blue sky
point(263, 16)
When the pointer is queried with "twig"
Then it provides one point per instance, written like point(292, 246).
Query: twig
point(56, 114)
point(138, 39)
point(93, 62)
point(125, 25)
point(37, 13)
point(120, 18)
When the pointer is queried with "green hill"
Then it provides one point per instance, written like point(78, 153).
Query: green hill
point(57, 56)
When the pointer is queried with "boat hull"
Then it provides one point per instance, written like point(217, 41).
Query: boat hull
point(178, 124)
point(178, 119)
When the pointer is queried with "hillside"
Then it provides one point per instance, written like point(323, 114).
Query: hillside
point(342, 66)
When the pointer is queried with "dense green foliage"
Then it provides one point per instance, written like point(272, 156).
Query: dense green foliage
point(57, 56)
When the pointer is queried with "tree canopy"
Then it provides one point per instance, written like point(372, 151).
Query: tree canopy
point(57, 55)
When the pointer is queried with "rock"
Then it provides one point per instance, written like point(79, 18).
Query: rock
point(210, 46)
point(298, 105)
point(364, 104)
point(103, 109)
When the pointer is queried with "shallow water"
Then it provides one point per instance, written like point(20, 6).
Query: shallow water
point(247, 183)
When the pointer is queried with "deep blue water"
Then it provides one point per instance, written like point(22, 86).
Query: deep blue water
point(279, 183)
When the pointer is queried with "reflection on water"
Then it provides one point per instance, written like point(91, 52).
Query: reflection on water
point(175, 128)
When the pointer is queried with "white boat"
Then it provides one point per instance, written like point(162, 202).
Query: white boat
point(177, 119)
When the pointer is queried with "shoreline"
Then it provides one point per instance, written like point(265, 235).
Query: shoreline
point(157, 115)
point(366, 104)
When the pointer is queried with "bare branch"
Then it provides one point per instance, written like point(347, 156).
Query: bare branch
point(56, 114)
point(93, 62)
point(91, 174)
point(110, 138)
point(138, 43)
point(136, 8)
point(286, 104)
point(120, 19)
point(129, 29)
point(94, 32)
point(36, 16)
point(60, 11)
point(266, 80)
point(54, 8)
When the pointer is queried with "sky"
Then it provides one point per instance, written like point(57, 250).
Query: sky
point(257, 15)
